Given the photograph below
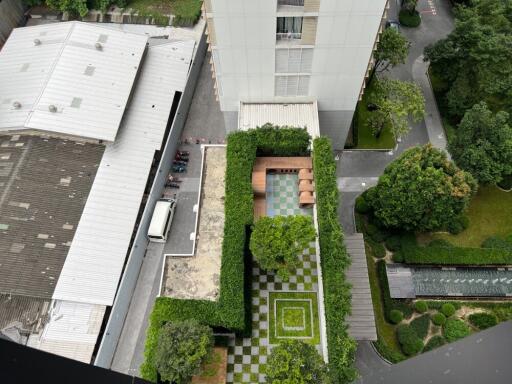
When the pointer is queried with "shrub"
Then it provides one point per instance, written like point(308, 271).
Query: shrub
point(276, 242)
point(410, 343)
point(455, 329)
point(281, 141)
point(398, 257)
point(407, 19)
point(181, 349)
point(186, 13)
point(295, 362)
point(439, 318)
point(375, 233)
point(396, 316)
point(421, 306)
point(414, 254)
point(393, 243)
point(483, 320)
point(420, 325)
point(378, 249)
point(361, 205)
point(447, 309)
point(497, 243)
point(434, 342)
point(334, 262)
point(458, 225)
point(440, 243)
point(438, 304)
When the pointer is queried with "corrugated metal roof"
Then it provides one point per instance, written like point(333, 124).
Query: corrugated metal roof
point(301, 115)
point(55, 79)
point(72, 330)
point(94, 263)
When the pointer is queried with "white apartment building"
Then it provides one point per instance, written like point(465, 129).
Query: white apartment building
point(293, 51)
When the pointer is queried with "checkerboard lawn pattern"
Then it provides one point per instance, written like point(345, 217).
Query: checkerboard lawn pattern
point(247, 357)
point(282, 195)
point(293, 315)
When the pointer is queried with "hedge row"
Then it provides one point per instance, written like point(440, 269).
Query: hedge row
point(186, 13)
point(414, 254)
point(232, 311)
point(281, 141)
point(334, 262)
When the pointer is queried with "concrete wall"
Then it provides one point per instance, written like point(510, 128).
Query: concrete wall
point(129, 280)
point(245, 47)
point(11, 14)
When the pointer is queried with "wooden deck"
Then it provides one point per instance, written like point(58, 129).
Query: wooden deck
point(301, 165)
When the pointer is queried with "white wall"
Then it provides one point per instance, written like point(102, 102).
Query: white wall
point(246, 43)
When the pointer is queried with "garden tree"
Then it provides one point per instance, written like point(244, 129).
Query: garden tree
point(409, 5)
point(396, 102)
point(277, 242)
point(392, 50)
point(473, 61)
point(421, 190)
point(74, 7)
point(483, 144)
point(181, 348)
point(295, 362)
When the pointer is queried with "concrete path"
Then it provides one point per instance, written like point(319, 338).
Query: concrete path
point(368, 361)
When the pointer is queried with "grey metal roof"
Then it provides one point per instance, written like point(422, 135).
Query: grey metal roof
point(95, 260)
point(44, 184)
point(480, 358)
point(44, 68)
point(362, 320)
point(29, 313)
point(400, 281)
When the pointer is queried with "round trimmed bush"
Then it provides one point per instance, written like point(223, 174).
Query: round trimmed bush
point(396, 316)
point(398, 257)
point(434, 342)
point(447, 309)
point(378, 249)
point(438, 318)
point(455, 329)
point(458, 225)
point(421, 306)
point(413, 348)
point(393, 243)
point(483, 320)
point(410, 343)
point(408, 19)
point(362, 205)
point(440, 243)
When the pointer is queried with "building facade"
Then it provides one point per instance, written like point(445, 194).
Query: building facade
point(285, 51)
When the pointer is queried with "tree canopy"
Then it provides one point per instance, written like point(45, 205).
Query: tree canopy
point(277, 242)
point(392, 50)
point(295, 362)
point(483, 144)
point(474, 59)
point(181, 348)
point(397, 101)
point(421, 190)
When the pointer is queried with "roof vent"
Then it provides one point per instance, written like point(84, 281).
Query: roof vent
point(37, 42)
point(52, 108)
point(16, 105)
point(98, 46)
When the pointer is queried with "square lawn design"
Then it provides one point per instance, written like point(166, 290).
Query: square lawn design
point(293, 315)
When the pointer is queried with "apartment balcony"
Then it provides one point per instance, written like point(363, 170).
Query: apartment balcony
point(298, 7)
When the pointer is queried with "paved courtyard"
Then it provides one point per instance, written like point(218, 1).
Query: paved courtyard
point(282, 195)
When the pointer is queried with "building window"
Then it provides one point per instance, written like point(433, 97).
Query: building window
point(292, 85)
point(289, 28)
point(297, 3)
point(294, 60)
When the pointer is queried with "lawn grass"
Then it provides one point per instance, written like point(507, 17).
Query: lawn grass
point(183, 9)
point(489, 213)
point(365, 138)
point(388, 344)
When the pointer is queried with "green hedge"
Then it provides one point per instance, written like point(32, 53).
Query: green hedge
point(281, 141)
point(420, 325)
point(334, 262)
point(410, 343)
point(483, 320)
point(232, 311)
point(407, 19)
point(455, 329)
point(414, 254)
point(434, 342)
point(186, 12)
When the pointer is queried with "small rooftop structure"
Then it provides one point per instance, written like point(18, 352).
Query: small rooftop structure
point(72, 79)
point(300, 115)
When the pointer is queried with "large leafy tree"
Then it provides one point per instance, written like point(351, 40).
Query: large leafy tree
point(75, 7)
point(295, 362)
point(421, 190)
point(277, 242)
point(392, 50)
point(396, 101)
point(474, 59)
point(181, 349)
point(483, 144)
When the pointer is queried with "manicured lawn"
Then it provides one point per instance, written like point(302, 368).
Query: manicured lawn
point(366, 140)
point(185, 9)
point(385, 331)
point(489, 213)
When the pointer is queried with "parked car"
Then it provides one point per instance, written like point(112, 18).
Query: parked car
point(393, 24)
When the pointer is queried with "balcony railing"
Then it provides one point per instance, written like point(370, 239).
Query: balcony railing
point(289, 36)
point(297, 3)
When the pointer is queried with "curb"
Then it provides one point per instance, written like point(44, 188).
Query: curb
point(378, 354)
